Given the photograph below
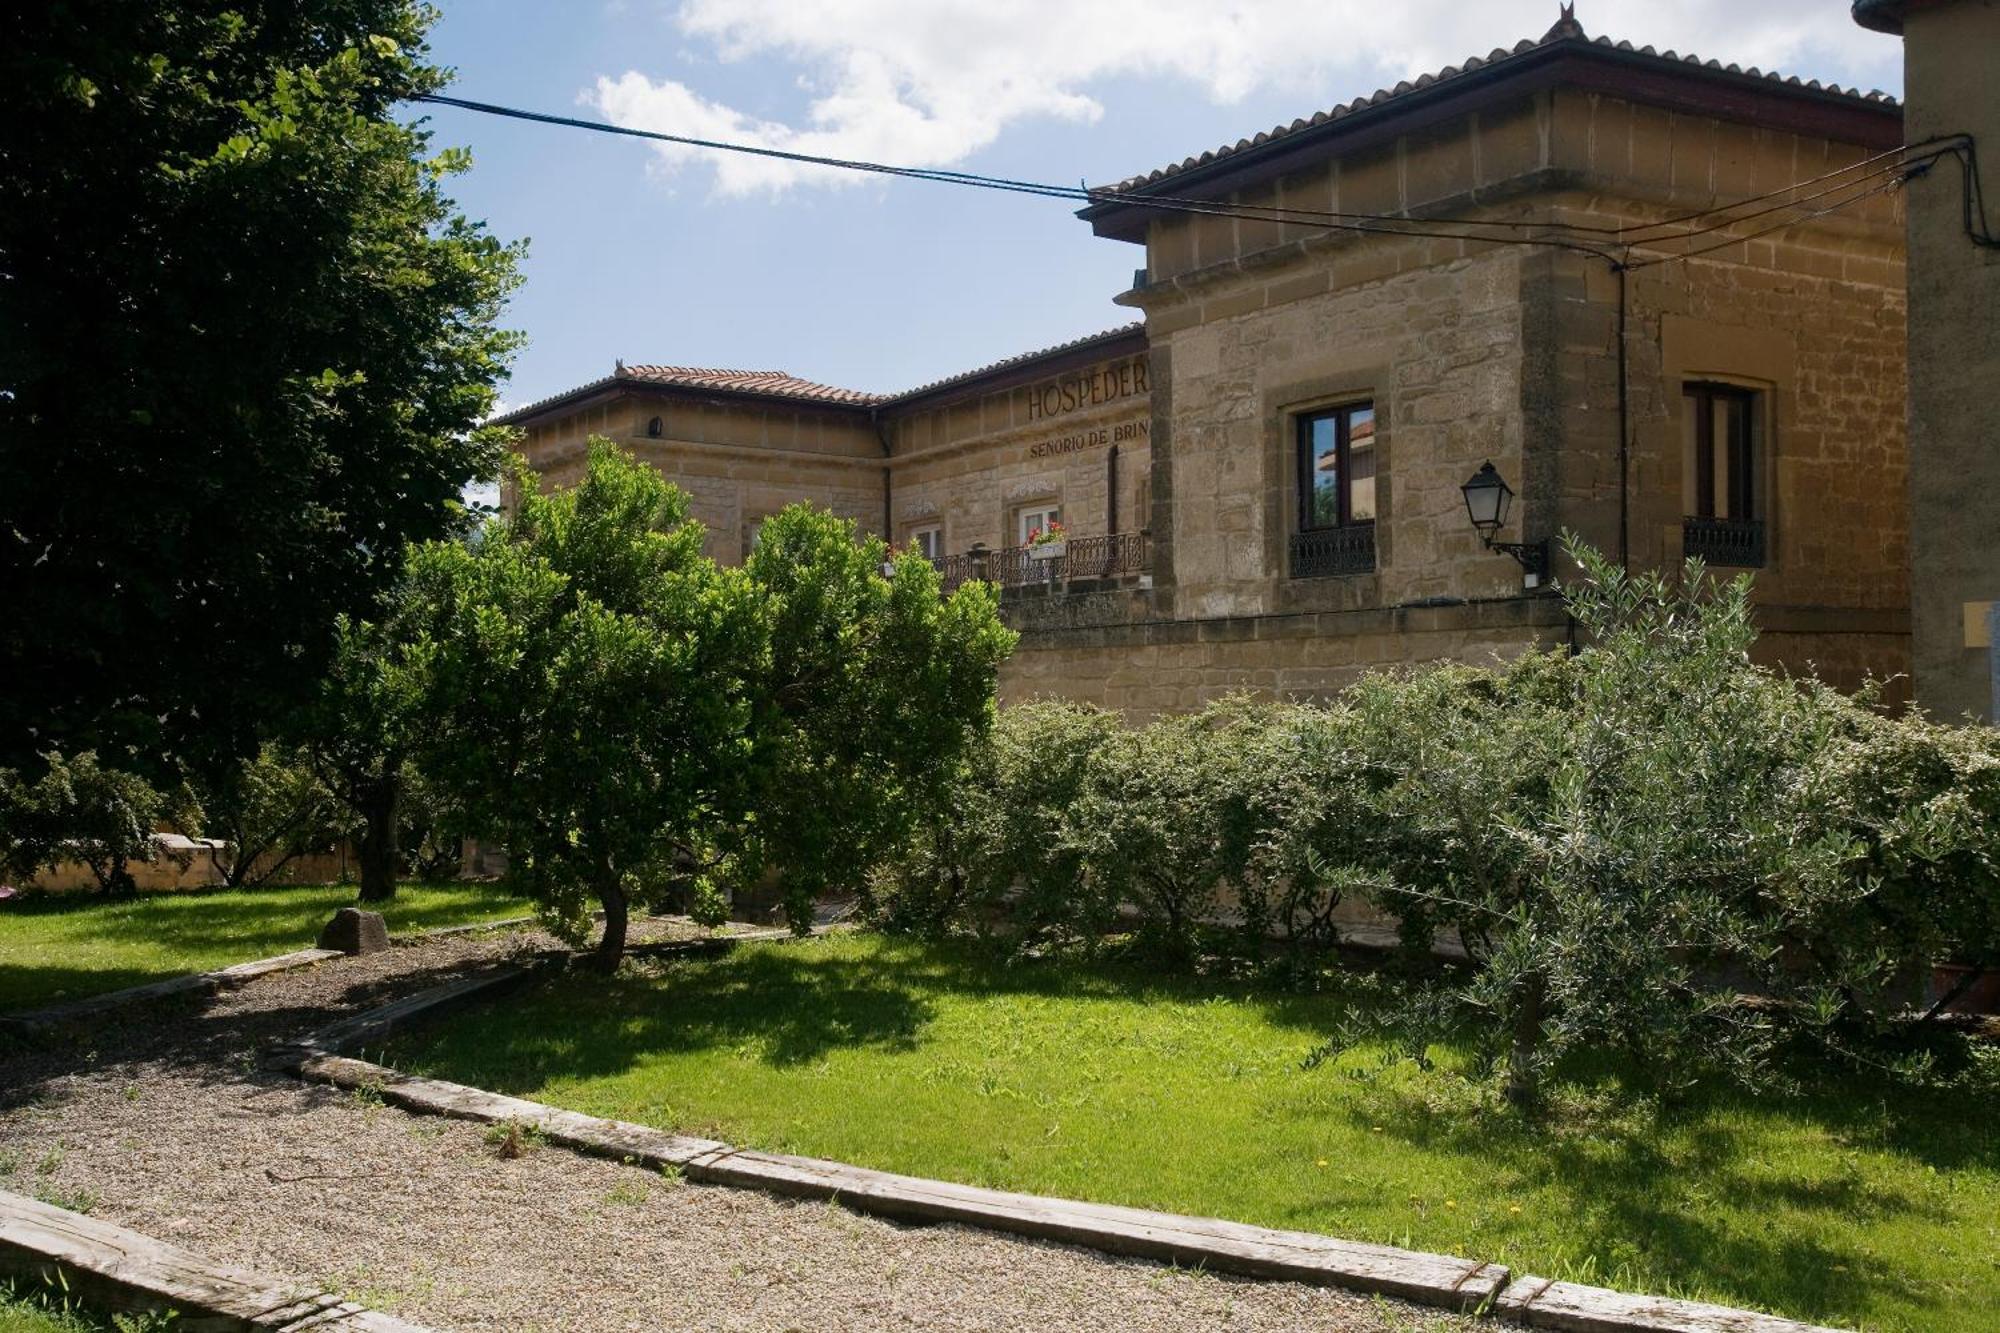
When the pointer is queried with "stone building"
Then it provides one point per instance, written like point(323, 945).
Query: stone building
point(1261, 480)
point(1949, 51)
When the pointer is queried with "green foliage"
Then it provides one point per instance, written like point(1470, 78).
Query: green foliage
point(1165, 819)
point(271, 809)
point(638, 722)
point(81, 810)
point(248, 344)
point(870, 692)
point(362, 729)
point(585, 691)
point(1625, 842)
point(998, 856)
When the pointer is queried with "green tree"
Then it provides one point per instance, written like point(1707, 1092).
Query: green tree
point(873, 691)
point(361, 732)
point(1617, 837)
point(79, 809)
point(589, 675)
point(245, 344)
point(270, 809)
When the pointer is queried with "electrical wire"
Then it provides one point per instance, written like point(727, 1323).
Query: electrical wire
point(1884, 188)
point(1370, 223)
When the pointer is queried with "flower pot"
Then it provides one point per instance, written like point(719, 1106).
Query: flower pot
point(1047, 550)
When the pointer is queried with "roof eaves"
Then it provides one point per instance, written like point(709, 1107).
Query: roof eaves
point(1410, 96)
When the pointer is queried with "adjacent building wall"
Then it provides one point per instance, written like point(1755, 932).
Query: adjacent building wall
point(1949, 53)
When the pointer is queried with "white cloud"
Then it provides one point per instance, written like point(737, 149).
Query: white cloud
point(930, 82)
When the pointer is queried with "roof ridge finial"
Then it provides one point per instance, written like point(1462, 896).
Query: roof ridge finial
point(1566, 24)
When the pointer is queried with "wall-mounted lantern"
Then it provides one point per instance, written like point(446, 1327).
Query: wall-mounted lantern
point(979, 556)
point(1488, 497)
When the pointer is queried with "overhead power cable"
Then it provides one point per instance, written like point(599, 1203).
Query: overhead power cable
point(1599, 243)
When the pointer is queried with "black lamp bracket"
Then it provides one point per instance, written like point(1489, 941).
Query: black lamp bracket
point(1533, 557)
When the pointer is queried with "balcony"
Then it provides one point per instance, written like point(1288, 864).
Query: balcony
point(1736, 542)
point(1116, 557)
point(1325, 552)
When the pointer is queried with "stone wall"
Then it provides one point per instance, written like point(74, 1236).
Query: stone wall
point(739, 462)
point(970, 465)
point(1147, 667)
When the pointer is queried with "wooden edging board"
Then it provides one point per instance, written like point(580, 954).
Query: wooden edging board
point(204, 983)
point(116, 1270)
point(226, 978)
point(1214, 1243)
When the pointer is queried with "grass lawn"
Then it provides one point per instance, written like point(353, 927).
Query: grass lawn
point(1854, 1203)
point(21, 1311)
point(65, 946)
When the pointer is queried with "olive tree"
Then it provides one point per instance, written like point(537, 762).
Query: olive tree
point(1616, 836)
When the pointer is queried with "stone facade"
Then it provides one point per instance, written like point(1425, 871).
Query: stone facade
point(1954, 351)
point(1576, 369)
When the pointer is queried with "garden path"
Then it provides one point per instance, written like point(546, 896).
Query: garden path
point(160, 1119)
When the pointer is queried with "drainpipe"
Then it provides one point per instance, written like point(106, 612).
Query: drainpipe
point(1624, 424)
point(1111, 492)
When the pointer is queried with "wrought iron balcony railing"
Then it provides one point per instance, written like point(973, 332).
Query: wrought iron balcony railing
point(1321, 552)
point(1737, 542)
point(1112, 556)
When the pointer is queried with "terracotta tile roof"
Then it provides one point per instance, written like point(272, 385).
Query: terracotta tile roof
point(1564, 33)
point(778, 384)
point(763, 383)
point(756, 383)
point(1120, 333)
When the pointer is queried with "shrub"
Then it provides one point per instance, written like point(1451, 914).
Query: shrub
point(270, 809)
point(1917, 806)
point(1167, 818)
point(998, 856)
point(80, 810)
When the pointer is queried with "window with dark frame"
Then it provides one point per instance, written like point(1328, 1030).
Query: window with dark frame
point(1336, 459)
point(1724, 524)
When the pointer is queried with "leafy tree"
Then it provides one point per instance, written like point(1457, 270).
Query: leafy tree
point(270, 809)
point(589, 677)
point(362, 731)
point(1617, 837)
point(874, 690)
point(81, 810)
point(638, 722)
point(431, 828)
point(244, 346)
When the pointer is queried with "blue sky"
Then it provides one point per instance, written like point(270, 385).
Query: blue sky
point(883, 285)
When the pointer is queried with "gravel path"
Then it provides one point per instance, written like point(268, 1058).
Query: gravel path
point(160, 1120)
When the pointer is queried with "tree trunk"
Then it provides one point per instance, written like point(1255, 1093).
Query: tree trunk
point(1523, 1075)
point(378, 801)
point(611, 948)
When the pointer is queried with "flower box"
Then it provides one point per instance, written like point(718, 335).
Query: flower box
point(1047, 550)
